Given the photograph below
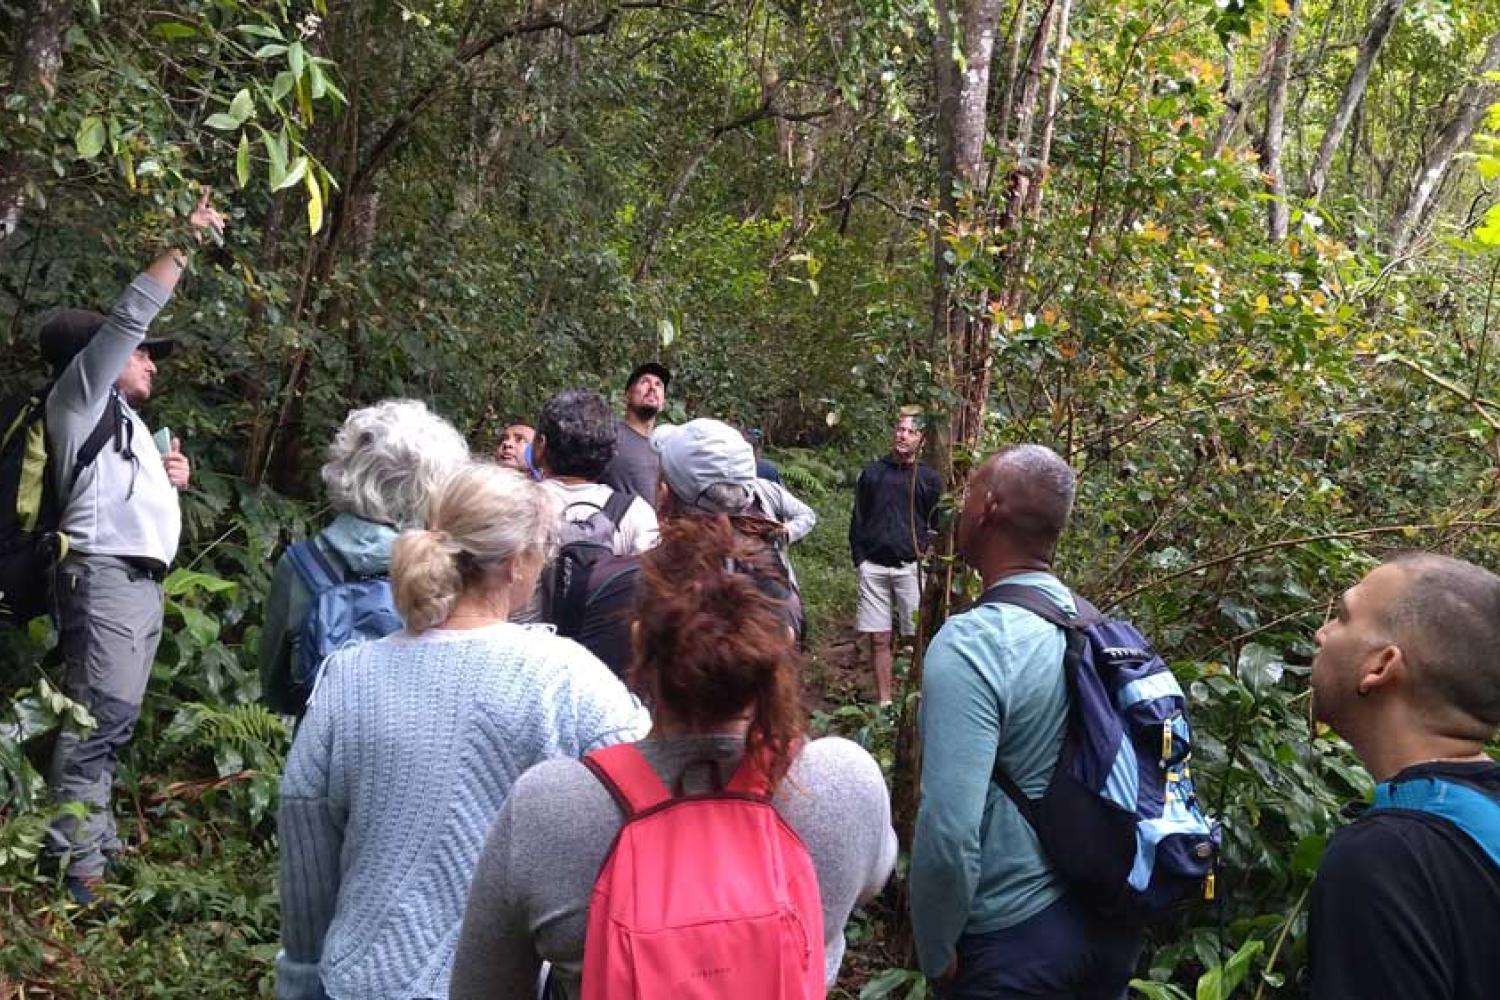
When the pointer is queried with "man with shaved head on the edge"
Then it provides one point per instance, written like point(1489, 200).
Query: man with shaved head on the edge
point(988, 911)
point(1407, 899)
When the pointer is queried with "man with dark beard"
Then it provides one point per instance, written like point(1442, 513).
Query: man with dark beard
point(635, 467)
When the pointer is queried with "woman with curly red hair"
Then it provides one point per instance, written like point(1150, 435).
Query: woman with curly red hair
point(718, 666)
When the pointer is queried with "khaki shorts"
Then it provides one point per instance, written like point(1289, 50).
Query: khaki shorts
point(884, 590)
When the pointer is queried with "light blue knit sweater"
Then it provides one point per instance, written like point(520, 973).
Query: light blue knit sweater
point(409, 748)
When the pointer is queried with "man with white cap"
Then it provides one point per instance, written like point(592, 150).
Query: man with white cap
point(707, 467)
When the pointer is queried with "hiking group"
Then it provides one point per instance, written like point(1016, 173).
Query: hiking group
point(550, 738)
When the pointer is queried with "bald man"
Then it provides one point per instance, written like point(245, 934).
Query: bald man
point(988, 910)
point(1407, 899)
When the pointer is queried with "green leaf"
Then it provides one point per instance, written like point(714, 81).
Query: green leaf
point(243, 106)
point(90, 137)
point(296, 58)
point(1308, 853)
point(293, 175)
point(886, 983)
point(186, 581)
point(317, 85)
point(173, 29)
point(1488, 232)
point(1219, 983)
point(283, 85)
point(1260, 667)
point(270, 50)
point(222, 122)
point(242, 161)
point(261, 31)
point(202, 629)
point(276, 153)
point(314, 202)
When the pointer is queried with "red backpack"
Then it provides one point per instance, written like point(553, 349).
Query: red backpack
point(702, 897)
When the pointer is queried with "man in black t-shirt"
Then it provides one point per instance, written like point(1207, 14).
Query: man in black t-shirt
point(1407, 902)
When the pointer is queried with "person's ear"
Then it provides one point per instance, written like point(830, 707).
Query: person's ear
point(994, 507)
point(1382, 668)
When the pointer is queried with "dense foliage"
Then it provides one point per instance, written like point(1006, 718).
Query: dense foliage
point(479, 204)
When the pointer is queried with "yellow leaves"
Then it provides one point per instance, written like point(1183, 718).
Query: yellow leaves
point(1488, 232)
point(314, 203)
point(1151, 232)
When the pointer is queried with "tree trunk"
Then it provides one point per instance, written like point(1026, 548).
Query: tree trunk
point(1033, 203)
point(1376, 33)
point(962, 99)
point(1237, 103)
point(38, 59)
point(1275, 134)
point(1475, 99)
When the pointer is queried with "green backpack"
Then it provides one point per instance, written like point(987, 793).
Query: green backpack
point(30, 505)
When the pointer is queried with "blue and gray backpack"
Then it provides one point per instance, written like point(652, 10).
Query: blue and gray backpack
point(1119, 821)
point(345, 609)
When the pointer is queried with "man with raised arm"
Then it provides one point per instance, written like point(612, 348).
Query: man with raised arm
point(121, 518)
point(1407, 899)
point(989, 912)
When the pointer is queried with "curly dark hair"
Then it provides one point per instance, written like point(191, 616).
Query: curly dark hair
point(711, 643)
point(578, 430)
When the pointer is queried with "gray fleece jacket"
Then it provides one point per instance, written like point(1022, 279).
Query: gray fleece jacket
point(123, 504)
point(528, 902)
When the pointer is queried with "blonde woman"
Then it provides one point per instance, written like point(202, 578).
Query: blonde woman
point(412, 743)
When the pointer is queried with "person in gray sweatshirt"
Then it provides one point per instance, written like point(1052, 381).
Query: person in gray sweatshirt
point(719, 668)
point(121, 520)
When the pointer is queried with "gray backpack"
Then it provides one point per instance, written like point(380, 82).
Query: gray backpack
point(568, 582)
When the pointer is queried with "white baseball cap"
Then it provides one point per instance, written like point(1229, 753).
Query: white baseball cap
point(703, 453)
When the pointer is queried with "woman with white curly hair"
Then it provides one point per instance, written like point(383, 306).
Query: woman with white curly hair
point(412, 744)
point(382, 468)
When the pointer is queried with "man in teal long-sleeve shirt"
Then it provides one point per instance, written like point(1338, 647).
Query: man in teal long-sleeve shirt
point(990, 915)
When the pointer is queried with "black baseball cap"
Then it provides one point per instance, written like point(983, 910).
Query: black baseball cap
point(650, 368)
point(68, 331)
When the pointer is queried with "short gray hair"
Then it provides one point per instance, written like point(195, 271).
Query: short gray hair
point(387, 459)
point(725, 498)
point(1044, 486)
point(1447, 621)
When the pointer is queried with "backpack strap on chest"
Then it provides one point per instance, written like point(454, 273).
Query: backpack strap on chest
point(628, 777)
point(1033, 600)
point(1466, 807)
point(617, 506)
point(113, 426)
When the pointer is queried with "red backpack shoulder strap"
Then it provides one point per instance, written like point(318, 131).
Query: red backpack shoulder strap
point(628, 776)
point(751, 777)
